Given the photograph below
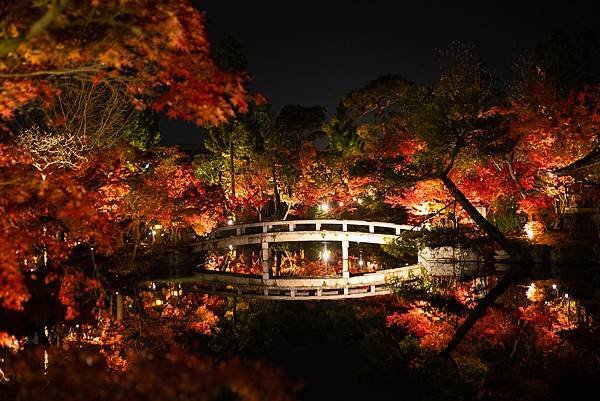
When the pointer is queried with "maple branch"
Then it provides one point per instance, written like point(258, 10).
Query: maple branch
point(432, 216)
point(3, 377)
point(55, 9)
point(68, 71)
point(513, 175)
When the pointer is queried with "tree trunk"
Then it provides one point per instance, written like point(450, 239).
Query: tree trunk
point(259, 213)
point(276, 196)
point(474, 214)
point(509, 277)
point(278, 263)
point(479, 311)
point(513, 176)
point(232, 168)
point(136, 238)
point(287, 212)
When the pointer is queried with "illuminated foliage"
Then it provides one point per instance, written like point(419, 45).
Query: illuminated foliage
point(156, 52)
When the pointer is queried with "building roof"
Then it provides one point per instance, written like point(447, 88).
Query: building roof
point(592, 159)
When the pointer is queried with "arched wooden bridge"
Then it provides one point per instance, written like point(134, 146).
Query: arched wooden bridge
point(265, 233)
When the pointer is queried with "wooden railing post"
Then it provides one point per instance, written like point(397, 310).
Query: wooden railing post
point(345, 262)
point(266, 261)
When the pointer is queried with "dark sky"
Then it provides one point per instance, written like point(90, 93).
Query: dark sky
point(313, 52)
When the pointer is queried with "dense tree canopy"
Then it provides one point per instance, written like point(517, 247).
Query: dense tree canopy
point(155, 52)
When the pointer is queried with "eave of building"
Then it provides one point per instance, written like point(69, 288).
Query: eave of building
point(587, 162)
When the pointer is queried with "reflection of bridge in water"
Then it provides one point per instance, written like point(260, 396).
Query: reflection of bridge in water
point(329, 231)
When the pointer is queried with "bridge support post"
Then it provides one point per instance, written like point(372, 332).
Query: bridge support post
point(266, 261)
point(345, 262)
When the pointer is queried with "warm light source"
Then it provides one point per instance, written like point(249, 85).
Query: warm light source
point(158, 302)
point(325, 254)
point(531, 290)
point(157, 226)
point(324, 207)
point(230, 221)
point(533, 229)
point(341, 203)
point(529, 230)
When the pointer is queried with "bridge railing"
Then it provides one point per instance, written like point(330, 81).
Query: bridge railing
point(308, 225)
point(369, 284)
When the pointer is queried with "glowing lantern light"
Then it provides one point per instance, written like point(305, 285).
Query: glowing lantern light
point(157, 226)
point(533, 229)
point(230, 221)
point(325, 254)
point(324, 207)
point(529, 230)
point(158, 302)
point(531, 291)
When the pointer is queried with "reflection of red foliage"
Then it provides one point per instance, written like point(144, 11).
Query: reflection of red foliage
point(74, 289)
point(149, 376)
point(506, 326)
point(432, 330)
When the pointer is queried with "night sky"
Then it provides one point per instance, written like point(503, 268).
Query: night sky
point(313, 52)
